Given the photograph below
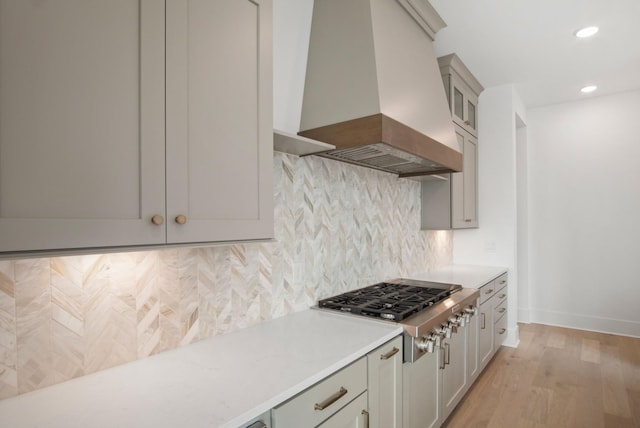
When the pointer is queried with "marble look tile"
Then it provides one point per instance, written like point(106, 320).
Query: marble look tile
point(214, 278)
point(178, 297)
point(33, 324)
point(147, 270)
point(115, 341)
point(8, 348)
point(337, 227)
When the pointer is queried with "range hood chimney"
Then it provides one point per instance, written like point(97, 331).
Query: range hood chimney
point(373, 87)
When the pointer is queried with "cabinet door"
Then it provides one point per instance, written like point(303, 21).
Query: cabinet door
point(454, 370)
point(385, 385)
point(473, 361)
point(464, 105)
point(421, 392)
point(219, 120)
point(81, 123)
point(464, 185)
point(470, 162)
point(485, 335)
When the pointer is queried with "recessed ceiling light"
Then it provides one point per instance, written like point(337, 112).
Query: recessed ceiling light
point(586, 32)
point(588, 89)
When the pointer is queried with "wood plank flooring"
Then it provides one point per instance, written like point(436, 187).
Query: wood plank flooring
point(557, 377)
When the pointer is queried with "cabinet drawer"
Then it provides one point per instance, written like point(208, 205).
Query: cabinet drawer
point(487, 291)
point(500, 304)
point(316, 404)
point(500, 332)
point(353, 415)
point(501, 282)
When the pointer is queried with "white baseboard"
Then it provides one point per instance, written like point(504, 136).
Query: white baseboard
point(584, 322)
point(513, 339)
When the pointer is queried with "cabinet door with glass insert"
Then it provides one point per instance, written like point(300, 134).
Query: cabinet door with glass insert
point(464, 105)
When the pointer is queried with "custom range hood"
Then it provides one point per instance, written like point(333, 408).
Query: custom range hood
point(373, 87)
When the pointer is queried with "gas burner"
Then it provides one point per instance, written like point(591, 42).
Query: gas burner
point(393, 300)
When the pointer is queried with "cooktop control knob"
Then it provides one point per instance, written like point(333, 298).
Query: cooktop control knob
point(447, 330)
point(462, 320)
point(426, 343)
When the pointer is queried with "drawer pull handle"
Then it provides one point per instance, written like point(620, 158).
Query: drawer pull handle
point(489, 291)
point(389, 354)
point(501, 310)
point(258, 424)
point(502, 330)
point(366, 418)
point(503, 281)
point(502, 296)
point(484, 321)
point(329, 401)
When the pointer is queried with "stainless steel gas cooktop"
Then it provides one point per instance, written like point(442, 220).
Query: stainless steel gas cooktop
point(393, 300)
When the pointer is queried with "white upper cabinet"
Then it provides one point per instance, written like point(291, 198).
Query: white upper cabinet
point(463, 90)
point(82, 122)
point(452, 202)
point(219, 120)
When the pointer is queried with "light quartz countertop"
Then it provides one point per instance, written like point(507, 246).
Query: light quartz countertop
point(220, 382)
point(468, 276)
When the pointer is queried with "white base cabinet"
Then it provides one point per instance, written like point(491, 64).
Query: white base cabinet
point(323, 400)
point(385, 385)
point(453, 369)
point(365, 394)
point(421, 392)
point(492, 318)
point(485, 333)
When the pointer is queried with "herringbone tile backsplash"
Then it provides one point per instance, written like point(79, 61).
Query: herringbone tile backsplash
point(337, 227)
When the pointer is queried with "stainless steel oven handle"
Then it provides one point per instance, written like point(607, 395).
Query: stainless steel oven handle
point(447, 360)
point(442, 358)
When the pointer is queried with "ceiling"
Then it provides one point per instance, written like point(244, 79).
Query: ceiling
point(531, 44)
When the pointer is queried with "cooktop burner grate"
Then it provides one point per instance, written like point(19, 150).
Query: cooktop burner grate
point(394, 301)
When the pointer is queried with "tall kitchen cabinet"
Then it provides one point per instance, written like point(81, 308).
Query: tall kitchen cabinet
point(450, 201)
point(137, 122)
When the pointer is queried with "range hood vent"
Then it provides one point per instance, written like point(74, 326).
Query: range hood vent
point(373, 87)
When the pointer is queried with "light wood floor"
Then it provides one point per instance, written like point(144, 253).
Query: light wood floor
point(557, 377)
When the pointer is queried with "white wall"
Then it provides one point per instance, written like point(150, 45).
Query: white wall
point(584, 162)
point(494, 242)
